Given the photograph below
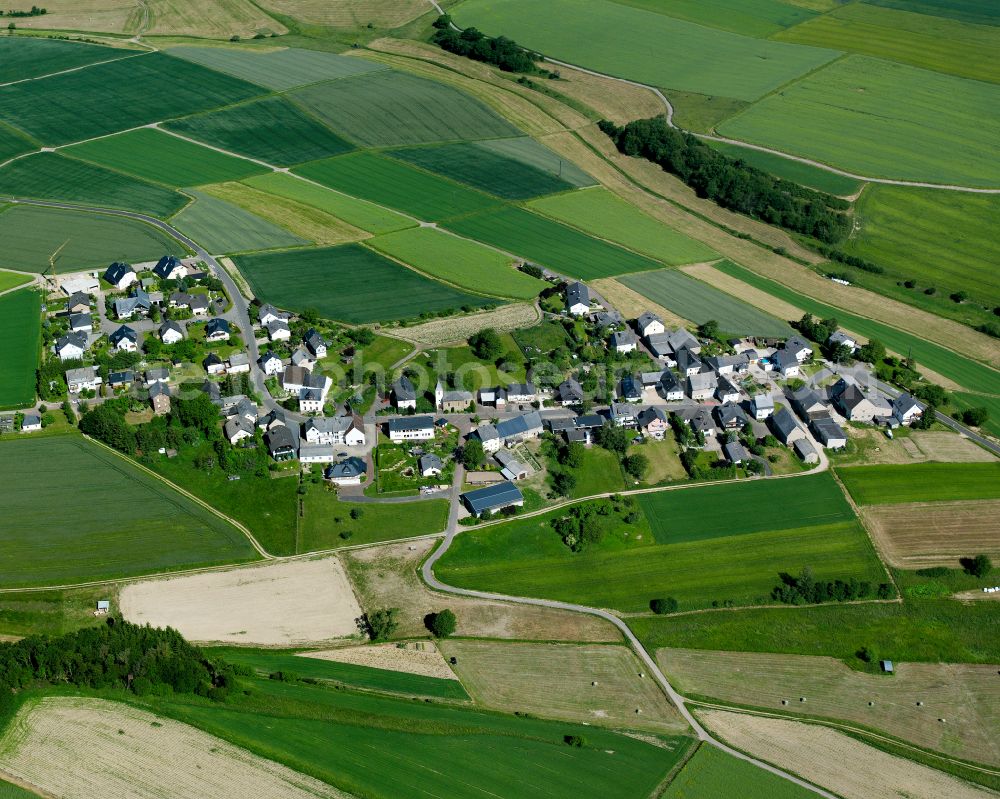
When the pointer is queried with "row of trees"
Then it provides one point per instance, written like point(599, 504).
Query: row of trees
point(804, 590)
point(731, 183)
point(502, 52)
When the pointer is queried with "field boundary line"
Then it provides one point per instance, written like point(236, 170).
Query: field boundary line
point(76, 69)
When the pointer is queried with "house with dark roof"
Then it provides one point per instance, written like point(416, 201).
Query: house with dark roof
point(124, 339)
point(171, 332)
point(120, 275)
point(86, 378)
point(213, 364)
point(519, 428)
point(730, 416)
point(577, 299)
point(71, 346)
point(649, 324)
point(217, 330)
point(31, 422)
point(762, 406)
point(80, 323)
point(315, 343)
point(840, 337)
point(121, 379)
point(404, 395)
point(347, 472)
point(78, 302)
point(267, 313)
point(126, 307)
point(857, 406)
point(806, 451)
point(199, 304)
point(170, 268)
point(622, 414)
point(493, 498)
point(701, 386)
point(907, 409)
point(698, 419)
point(624, 341)
point(809, 404)
point(670, 387)
point(786, 362)
point(430, 465)
point(159, 398)
point(688, 363)
point(631, 389)
point(735, 452)
point(786, 429)
point(570, 392)
point(411, 428)
point(830, 434)
point(798, 347)
point(727, 390)
point(278, 330)
point(237, 428)
point(281, 443)
point(653, 422)
point(522, 393)
point(270, 364)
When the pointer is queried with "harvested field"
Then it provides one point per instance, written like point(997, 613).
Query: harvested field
point(280, 604)
point(967, 696)
point(351, 13)
point(416, 657)
point(611, 99)
point(80, 748)
point(222, 227)
point(596, 684)
point(386, 576)
point(631, 303)
point(820, 755)
point(439, 332)
point(937, 445)
point(920, 534)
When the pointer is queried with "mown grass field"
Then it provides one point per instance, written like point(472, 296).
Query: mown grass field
point(12, 143)
point(388, 108)
point(272, 130)
point(380, 289)
point(712, 773)
point(326, 522)
point(661, 51)
point(544, 241)
point(884, 119)
point(122, 522)
point(23, 57)
point(162, 158)
point(459, 261)
point(224, 228)
point(944, 45)
point(50, 176)
point(20, 340)
point(921, 482)
point(484, 169)
point(359, 213)
point(397, 185)
point(760, 18)
point(786, 169)
point(603, 214)
point(379, 746)
point(279, 70)
point(10, 280)
point(711, 511)
point(124, 94)
point(964, 400)
point(700, 302)
point(963, 371)
point(31, 234)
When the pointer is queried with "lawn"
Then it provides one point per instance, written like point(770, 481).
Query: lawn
point(384, 351)
point(786, 169)
point(598, 473)
point(646, 46)
point(360, 213)
point(700, 302)
point(11, 142)
point(963, 371)
point(123, 94)
point(944, 45)
point(50, 176)
point(221, 227)
point(922, 482)
point(459, 261)
point(390, 108)
point(397, 185)
point(601, 213)
point(664, 461)
point(326, 522)
point(20, 340)
point(884, 119)
point(706, 512)
point(560, 248)
point(23, 57)
point(712, 773)
point(31, 234)
point(272, 130)
point(381, 289)
point(279, 70)
point(760, 18)
point(123, 522)
point(474, 165)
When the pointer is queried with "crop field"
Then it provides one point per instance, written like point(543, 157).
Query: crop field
point(459, 261)
point(603, 214)
point(820, 755)
point(936, 238)
point(760, 18)
point(967, 695)
point(922, 482)
point(377, 746)
point(327, 524)
point(482, 168)
point(595, 684)
point(701, 302)
point(661, 51)
point(108, 748)
point(965, 10)
point(884, 119)
point(12, 142)
point(129, 93)
point(279, 70)
point(712, 773)
point(222, 227)
point(552, 244)
point(390, 108)
point(124, 521)
point(381, 289)
point(786, 169)
point(272, 130)
point(50, 176)
point(162, 158)
point(359, 213)
point(532, 153)
point(31, 234)
point(20, 340)
point(711, 511)
point(23, 57)
point(963, 371)
point(944, 45)
point(397, 185)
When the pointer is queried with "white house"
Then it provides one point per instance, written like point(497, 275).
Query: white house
point(800, 348)
point(788, 363)
point(411, 428)
point(268, 313)
point(316, 453)
point(840, 337)
point(278, 330)
point(577, 299)
point(623, 341)
point(348, 430)
point(762, 406)
point(315, 343)
point(404, 394)
point(80, 323)
point(488, 437)
point(430, 465)
point(522, 392)
point(124, 339)
point(702, 385)
point(238, 428)
point(85, 378)
point(906, 409)
point(71, 346)
point(649, 324)
point(217, 330)
point(120, 275)
point(31, 423)
point(170, 267)
point(239, 363)
point(270, 363)
point(171, 332)
point(727, 391)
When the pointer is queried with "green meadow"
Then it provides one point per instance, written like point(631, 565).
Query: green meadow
point(972, 11)
point(786, 169)
point(922, 482)
point(712, 773)
point(11, 280)
point(760, 18)
point(326, 521)
point(222, 227)
point(20, 340)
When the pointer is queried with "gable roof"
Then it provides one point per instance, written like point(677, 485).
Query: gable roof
point(411, 423)
point(519, 425)
point(279, 437)
point(647, 318)
point(784, 423)
point(166, 266)
point(403, 389)
point(123, 333)
point(238, 424)
point(217, 325)
point(169, 325)
point(494, 496)
point(577, 294)
point(730, 412)
point(623, 338)
point(703, 380)
point(430, 461)
point(650, 415)
point(735, 452)
point(72, 339)
point(114, 273)
point(687, 360)
point(159, 390)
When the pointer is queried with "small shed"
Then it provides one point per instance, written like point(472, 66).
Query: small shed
point(887, 666)
point(103, 607)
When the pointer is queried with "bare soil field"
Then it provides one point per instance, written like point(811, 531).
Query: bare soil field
point(78, 748)
point(612, 99)
point(596, 684)
point(456, 330)
point(631, 303)
point(966, 696)
point(841, 764)
point(920, 534)
point(413, 657)
point(386, 576)
point(280, 604)
point(351, 13)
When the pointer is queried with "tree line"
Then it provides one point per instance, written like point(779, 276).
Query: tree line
point(500, 51)
point(732, 183)
point(805, 590)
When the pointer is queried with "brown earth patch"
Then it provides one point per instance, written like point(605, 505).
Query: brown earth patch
point(455, 330)
point(413, 657)
point(611, 99)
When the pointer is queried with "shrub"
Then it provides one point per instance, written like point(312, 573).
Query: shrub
point(663, 606)
point(979, 566)
point(574, 740)
point(442, 624)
